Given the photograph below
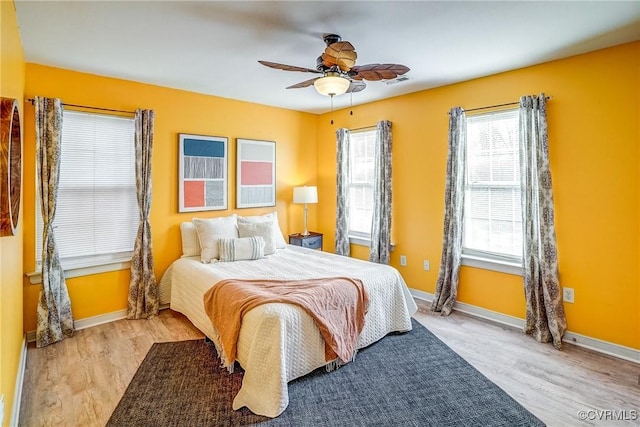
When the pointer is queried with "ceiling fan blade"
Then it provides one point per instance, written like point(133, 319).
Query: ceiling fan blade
point(374, 72)
point(356, 86)
point(342, 54)
point(305, 83)
point(288, 67)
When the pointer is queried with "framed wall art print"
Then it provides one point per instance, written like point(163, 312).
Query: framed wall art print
point(256, 173)
point(202, 173)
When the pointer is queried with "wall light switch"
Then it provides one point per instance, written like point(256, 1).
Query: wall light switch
point(426, 265)
point(403, 260)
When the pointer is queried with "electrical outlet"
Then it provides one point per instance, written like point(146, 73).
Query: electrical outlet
point(403, 260)
point(568, 295)
point(426, 265)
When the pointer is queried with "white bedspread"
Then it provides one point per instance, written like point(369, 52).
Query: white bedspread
point(280, 342)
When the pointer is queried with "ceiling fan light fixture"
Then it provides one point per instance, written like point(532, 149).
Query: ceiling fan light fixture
point(331, 85)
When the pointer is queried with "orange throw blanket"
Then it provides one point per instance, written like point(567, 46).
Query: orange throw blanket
point(337, 305)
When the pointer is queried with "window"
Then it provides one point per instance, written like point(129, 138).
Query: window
point(492, 212)
point(97, 213)
point(360, 186)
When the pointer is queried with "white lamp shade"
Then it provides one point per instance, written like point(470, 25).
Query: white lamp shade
point(331, 85)
point(306, 194)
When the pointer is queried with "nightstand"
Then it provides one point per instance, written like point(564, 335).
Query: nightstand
point(312, 241)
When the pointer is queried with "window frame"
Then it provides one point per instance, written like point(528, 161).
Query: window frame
point(359, 237)
point(83, 265)
point(485, 259)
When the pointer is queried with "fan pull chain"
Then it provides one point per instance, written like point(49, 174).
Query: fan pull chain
point(331, 109)
point(351, 96)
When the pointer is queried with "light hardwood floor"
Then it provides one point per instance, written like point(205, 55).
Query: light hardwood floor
point(79, 381)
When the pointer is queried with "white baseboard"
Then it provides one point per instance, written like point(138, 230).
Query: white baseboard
point(17, 395)
point(89, 322)
point(595, 344)
point(100, 319)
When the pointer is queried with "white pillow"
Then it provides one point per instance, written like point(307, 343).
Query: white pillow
point(190, 243)
point(211, 230)
point(242, 248)
point(262, 229)
point(273, 219)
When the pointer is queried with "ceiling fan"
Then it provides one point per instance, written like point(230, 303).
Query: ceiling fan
point(338, 69)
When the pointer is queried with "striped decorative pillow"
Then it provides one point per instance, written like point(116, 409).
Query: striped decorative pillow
point(243, 248)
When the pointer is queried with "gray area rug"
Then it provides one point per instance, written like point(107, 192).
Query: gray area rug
point(409, 379)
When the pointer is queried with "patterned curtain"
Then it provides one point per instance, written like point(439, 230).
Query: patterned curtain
point(381, 223)
point(545, 319)
point(447, 285)
point(342, 202)
point(143, 289)
point(55, 320)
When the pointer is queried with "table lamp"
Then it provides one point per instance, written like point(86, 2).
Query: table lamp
point(306, 194)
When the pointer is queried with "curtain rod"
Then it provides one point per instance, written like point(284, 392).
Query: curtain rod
point(362, 128)
point(31, 100)
point(498, 105)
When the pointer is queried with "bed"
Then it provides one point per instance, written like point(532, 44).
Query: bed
point(280, 342)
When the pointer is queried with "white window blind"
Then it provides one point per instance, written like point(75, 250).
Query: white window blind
point(362, 174)
point(492, 215)
point(97, 212)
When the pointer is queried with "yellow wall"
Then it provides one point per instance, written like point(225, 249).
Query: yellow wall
point(594, 137)
point(12, 68)
point(175, 112)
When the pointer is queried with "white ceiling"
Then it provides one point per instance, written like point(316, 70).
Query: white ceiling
point(213, 47)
